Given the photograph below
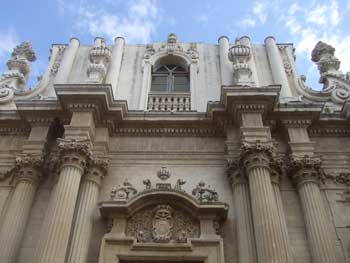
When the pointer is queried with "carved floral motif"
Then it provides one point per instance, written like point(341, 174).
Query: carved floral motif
point(162, 224)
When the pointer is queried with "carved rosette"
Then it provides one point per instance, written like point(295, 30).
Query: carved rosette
point(96, 170)
point(74, 153)
point(28, 168)
point(99, 56)
point(256, 155)
point(305, 169)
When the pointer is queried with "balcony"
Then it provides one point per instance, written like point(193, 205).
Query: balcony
point(169, 102)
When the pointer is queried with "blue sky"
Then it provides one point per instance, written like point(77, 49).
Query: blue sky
point(303, 23)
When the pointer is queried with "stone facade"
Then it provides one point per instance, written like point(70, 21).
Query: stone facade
point(174, 152)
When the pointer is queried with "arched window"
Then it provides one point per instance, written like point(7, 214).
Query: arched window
point(170, 78)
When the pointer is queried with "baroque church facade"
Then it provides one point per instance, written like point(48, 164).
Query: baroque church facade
point(174, 152)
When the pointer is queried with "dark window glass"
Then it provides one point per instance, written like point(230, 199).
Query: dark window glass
point(170, 78)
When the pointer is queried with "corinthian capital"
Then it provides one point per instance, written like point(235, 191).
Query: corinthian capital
point(235, 173)
point(305, 169)
point(97, 170)
point(256, 154)
point(74, 152)
point(28, 168)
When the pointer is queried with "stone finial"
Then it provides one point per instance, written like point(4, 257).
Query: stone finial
point(172, 38)
point(99, 56)
point(240, 55)
point(323, 55)
point(18, 66)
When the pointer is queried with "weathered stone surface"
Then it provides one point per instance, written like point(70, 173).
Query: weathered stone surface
point(165, 194)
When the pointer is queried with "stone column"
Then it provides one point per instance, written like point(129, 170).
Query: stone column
point(275, 179)
point(54, 237)
point(256, 159)
point(306, 173)
point(87, 202)
point(277, 67)
point(225, 65)
point(114, 68)
point(243, 214)
point(67, 61)
point(28, 173)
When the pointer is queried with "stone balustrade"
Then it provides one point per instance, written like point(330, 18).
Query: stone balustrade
point(169, 102)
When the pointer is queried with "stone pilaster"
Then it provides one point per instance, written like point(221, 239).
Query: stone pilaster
point(58, 220)
point(256, 158)
point(306, 173)
point(28, 174)
point(243, 214)
point(87, 202)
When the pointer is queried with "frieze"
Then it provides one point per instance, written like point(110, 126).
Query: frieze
point(162, 224)
point(171, 131)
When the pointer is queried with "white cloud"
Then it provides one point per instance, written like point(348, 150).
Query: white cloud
point(9, 40)
point(318, 15)
point(136, 24)
point(247, 22)
point(260, 10)
point(322, 25)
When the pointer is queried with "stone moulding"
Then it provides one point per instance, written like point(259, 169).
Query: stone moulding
point(174, 197)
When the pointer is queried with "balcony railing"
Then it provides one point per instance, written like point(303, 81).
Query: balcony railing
point(169, 102)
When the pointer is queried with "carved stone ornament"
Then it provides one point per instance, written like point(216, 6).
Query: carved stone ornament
point(123, 192)
point(305, 169)
point(28, 168)
point(343, 178)
point(163, 173)
point(99, 56)
point(74, 152)
point(96, 170)
point(13, 81)
point(256, 154)
point(58, 59)
point(205, 193)
point(240, 55)
point(323, 55)
point(162, 224)
point(163, 186)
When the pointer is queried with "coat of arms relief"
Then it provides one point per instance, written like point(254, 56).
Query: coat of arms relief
point(162, 224)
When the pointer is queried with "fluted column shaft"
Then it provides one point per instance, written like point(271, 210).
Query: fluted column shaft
point(267, 229)
point(16, 217)
point(244, 222)
point(282, 219)
point(57, 224)
point(87, 202)
point(306, 173)
point(317, 225)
